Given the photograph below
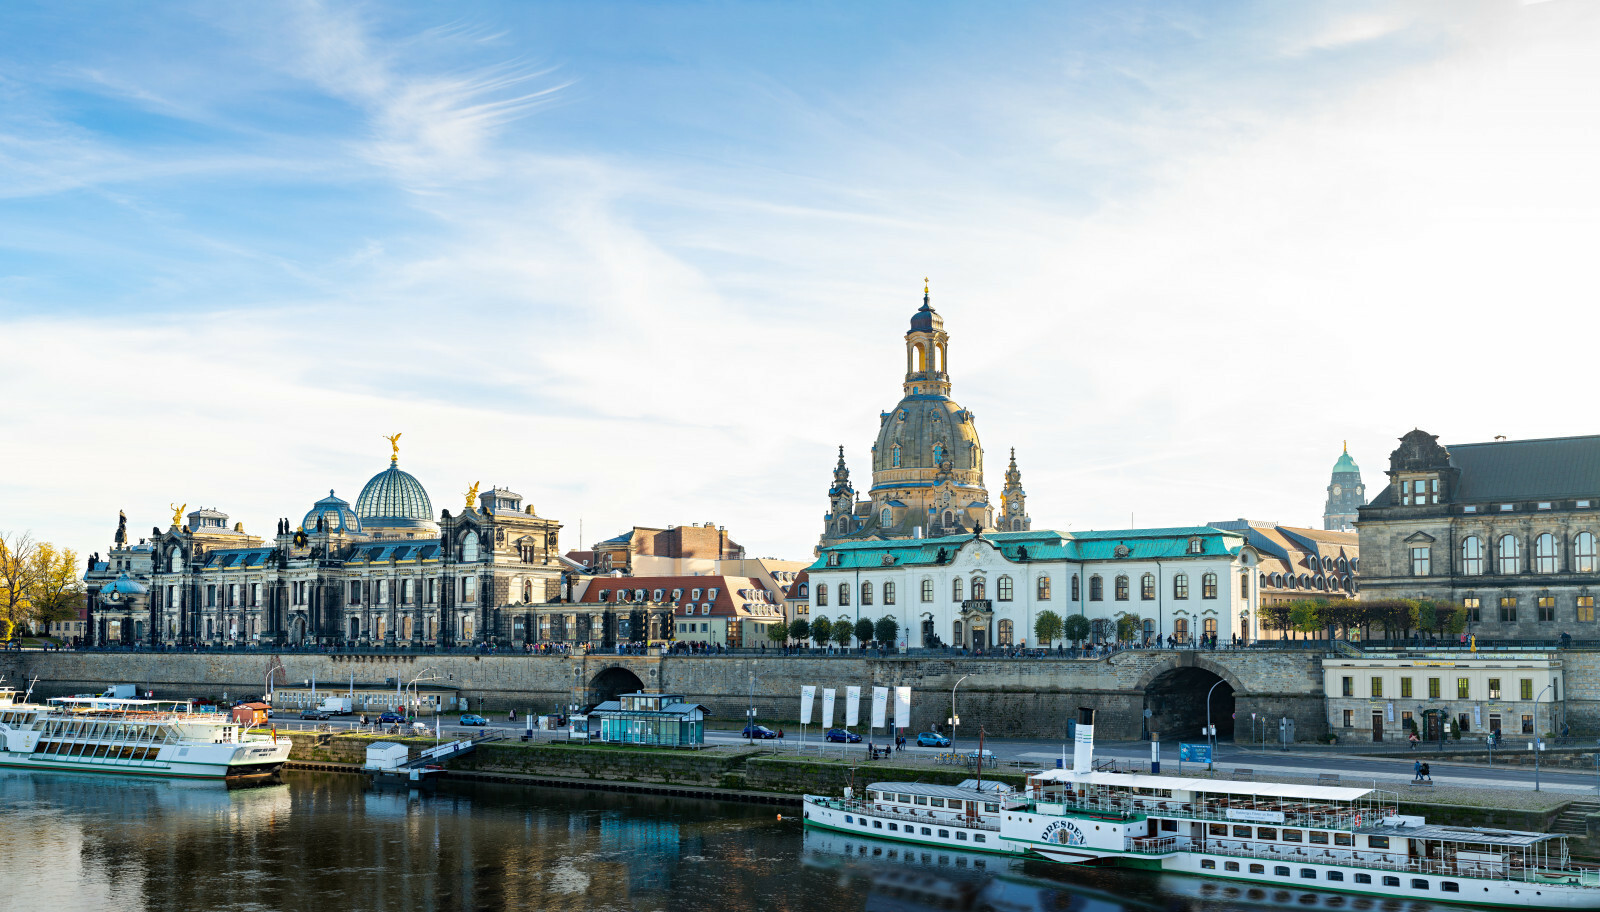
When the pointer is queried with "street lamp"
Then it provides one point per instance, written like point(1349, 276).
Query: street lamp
point(1536, 739)
point(955, 719)
point(1209, 736)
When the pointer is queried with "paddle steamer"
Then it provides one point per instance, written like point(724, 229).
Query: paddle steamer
point(1351, 840)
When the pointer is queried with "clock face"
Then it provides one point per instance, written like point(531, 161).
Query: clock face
point(1337, 490)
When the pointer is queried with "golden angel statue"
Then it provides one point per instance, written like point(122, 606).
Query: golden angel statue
point(177, 513)
point(394, 445)
point(472, 495)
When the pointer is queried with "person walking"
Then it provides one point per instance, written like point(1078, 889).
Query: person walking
point(1416, 771)
point(1427, 773)
point(1414, 740)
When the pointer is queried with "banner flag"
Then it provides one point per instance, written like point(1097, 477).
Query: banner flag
point(808, 696)
point(902, 707)
point(880, 706)
point(827, 707)
point(852, 706)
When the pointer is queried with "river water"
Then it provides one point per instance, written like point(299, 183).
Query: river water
point(328, 842)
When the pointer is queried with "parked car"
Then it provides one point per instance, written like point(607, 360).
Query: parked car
point(841, 736)
point(388, 717)
point(473, 719)
point(758, 732)
point(315, 715)
point(932, 739)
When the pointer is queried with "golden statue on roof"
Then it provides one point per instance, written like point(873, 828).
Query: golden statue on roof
point(472, 495)
point(177, 513)
point(394, 444)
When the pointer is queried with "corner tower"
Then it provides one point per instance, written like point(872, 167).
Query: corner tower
point(1346, 494)
point(1014, 501)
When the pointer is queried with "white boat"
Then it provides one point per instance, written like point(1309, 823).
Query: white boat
point(132, 737)
point(1329, 838)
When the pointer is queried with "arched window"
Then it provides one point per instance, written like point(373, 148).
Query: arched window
point(1472, 556)
point(1180, 586)
point(1003, 589)
point(1077, 593)
point(1016, 525)
point(1122, 587)
point(866, 594)
point(822, 594)
point(949, 517)
point(886, 517)
point(1544, 553)
point(927, 590)
point(1210, 627)
point(844, 524)
point(980, 589)
point(844, 594)
point(1583, 553)
point(1180, 629)
point(1277, 580)
point(1208, 589)
point(1044, 588)
point(888, 593)
point(956, 629)
point(956, 590)
point(1147, 586)
point(897, 455)
point(1097, 588)
point(469, 547)
point(1005, 633)
point(805, 590)
point(1506, 558)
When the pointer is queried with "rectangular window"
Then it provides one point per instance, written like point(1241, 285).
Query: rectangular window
point(1506, 508)
point(1230, 866)
point(1390, 880)
point(1433, 688)
point(1267, 833)
point(1377, 687)
point(1526, 685)
point(1364, 878)
point(1291, 835)
point(1469, 509)
point(1349, 688)
point(1317, 837)
point(1258, 869)
point(1508, 609)
point(1544, 504)
point(1547, 608)
point(1405, 688)
point(1180, 586)
point(1349, 718)
point(1216, 829)
point(1343, 839)
point(1527, 724)
point(1463, 688)
point(1377, 842)
point(1494, 688)
point(1241, 832)
point(1207, 863)
point(1419, 561)
point(1474, 609)
point(1336, 875)
point(1585, 607)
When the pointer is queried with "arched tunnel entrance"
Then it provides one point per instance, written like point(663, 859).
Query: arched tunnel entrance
point(609, 684)
point(1176, 702)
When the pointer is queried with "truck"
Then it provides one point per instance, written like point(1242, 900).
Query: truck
point(335, 706)
point(121, 692)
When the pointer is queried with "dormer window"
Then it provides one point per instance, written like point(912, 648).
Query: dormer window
point(833, 559)
point(1196, 544)
point(712, 593)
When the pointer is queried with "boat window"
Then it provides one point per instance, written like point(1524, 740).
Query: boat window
point(1258, 869)
point(1418, 883)
point(979, 837)
point(1449, 886)
point(1241, 832)
point(1377, 842)
point(944, 834)
point(1336, 875)
point(877, 824)
point(936, 802)
point(1207, 863)
point(1389, 881)
point(1266, 833)
point(1318, 837)
point(1230, 866)
point(992, 808)
point(1308, 873)
point(1216, 829)
point(927, 832)
point(1169, 825)
point(922, 799)
point(1281, 870)
point(894, 826)
point(1291, 835)
point(961, 835)
point(905, 799)
point(1364, 878)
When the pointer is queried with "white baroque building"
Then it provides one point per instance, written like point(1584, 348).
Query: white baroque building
point(986, 590)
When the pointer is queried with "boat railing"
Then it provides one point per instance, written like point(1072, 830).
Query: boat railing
point(1153, 845)
point(872, 810)
point(1157, 807)
point(1357, 859)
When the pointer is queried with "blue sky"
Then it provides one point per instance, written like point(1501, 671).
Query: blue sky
point(650, 263)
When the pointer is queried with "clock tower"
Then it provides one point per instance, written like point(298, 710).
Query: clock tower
point(1346, 495)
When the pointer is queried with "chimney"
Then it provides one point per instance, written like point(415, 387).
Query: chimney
point(1083, 743)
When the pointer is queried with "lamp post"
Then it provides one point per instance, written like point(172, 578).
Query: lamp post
point(1536, 738)
point(955, 719)
point(1210, 738)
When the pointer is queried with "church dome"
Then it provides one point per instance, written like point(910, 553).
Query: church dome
point(394, 499)
point(124, 586)
point(924, 434)
point(335, 514)
point(926, 319)
point(1346, 464)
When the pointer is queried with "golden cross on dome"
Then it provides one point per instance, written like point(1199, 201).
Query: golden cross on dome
point(924, 284)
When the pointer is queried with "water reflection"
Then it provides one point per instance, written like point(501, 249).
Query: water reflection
point(327, 842)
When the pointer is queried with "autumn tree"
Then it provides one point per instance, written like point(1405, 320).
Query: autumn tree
point(1047, 627)
point(57, 590)
point(18, 564)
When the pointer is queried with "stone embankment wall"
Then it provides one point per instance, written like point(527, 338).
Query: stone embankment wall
point(1008, 697)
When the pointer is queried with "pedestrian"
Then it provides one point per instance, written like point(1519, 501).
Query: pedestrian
point(1427, 773)
point(1414, 740)
point(1416, 771)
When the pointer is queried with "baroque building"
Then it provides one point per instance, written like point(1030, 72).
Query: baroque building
point(387, 571)
point(1508, 528)
point(1346, 494)
point(927, 463)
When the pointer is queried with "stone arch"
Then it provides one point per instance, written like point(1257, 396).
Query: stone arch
point(613, 682)
point(1175, 693)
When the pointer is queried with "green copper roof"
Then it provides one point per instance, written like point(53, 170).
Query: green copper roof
point(1346, 464)
point(1039, 545)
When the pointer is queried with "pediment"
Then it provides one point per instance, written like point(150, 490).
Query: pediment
point(1419, 537)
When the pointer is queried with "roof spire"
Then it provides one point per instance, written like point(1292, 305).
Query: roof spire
point(1347, 447)
point(924, 291)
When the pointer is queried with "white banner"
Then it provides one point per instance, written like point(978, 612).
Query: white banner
point(880, 707)
point(1391, 712)
point(827, 707)
point(1255, 816)
point(902, 707)
point(808, 696)
point(852, 706)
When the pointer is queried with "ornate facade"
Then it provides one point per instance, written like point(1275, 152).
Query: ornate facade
point(385, 572)
point(927, 463)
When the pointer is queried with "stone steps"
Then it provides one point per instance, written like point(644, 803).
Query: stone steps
point(1573, 820)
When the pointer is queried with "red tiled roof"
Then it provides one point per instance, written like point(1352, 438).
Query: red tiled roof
point(727, 603)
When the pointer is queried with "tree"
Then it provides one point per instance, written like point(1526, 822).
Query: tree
point(822, 631)
point(778, 633)
point(1129, 626)
point(1047, 627)
point(1276, 617)
point(57, 592)
point(1075, 628)
point(800, 630)
point(843, 630)
point(1304, 617)
point(18, 564)
point(887, 630)
point(864, 631)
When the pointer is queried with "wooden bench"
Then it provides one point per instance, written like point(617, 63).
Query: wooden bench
point(1327, 778)
point(1244, 774)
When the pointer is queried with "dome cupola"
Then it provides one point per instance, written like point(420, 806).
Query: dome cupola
point(335, 514)
point(394, 499)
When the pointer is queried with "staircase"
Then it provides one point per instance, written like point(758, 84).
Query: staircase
point(1572, 822)
point(1344, 648)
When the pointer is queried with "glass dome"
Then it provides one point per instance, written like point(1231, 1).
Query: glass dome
point(394, 499)
point(335, 513)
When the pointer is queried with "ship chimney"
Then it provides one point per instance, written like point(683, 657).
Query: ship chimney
point(1083, 743)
